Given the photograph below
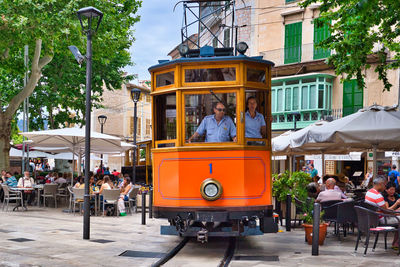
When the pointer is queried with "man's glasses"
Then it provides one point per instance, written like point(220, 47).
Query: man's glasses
point(220, 109)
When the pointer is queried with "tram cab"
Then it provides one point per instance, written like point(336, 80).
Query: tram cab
point(212, 177)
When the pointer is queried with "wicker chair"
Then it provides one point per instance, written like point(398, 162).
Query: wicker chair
point(368, 222)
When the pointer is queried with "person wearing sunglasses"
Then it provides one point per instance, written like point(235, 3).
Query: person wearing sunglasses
point(217, 127)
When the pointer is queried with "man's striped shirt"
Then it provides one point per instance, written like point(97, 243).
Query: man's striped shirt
point(375, 198)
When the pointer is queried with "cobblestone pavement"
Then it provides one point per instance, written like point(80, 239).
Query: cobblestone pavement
point(49, 237)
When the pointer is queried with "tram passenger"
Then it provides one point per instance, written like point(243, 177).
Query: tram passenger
point(255, 126)
point(217, 127)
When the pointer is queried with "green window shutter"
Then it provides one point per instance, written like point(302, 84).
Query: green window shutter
point(296, 98)
point(293, 42)
point(320, 34)
point(352, 97)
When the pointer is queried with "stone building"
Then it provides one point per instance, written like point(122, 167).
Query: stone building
point(118, 107)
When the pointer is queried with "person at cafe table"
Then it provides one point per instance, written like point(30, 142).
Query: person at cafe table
point(27, 182)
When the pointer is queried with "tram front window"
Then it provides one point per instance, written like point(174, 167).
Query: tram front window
point(210, 117)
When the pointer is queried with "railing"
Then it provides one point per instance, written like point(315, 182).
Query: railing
point(305, 53)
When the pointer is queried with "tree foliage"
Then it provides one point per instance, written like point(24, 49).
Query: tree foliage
point(60, 90)
point(360, 29)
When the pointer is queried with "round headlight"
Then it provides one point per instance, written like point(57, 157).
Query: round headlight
point(211, 189)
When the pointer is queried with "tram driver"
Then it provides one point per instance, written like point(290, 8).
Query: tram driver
point(255, 126)
point(217, 127)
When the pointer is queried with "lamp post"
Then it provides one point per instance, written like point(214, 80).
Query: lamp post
point(102, 120)
point(135, 94)
point(87, 16)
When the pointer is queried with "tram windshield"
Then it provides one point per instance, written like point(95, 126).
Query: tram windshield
point(210, 117)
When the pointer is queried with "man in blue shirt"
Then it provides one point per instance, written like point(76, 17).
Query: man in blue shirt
point(395, 174)
point(11, 181)
point(255, 126)
point(217, 127)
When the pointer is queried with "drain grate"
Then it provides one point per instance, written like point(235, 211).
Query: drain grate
point(255, 258)
point(141, 254)
point(20, 239)
point(102, 241)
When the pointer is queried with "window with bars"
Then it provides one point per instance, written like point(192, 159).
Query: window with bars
point(293, 37)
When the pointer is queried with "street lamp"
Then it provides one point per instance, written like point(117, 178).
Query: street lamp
point(135, 95)
point(87, 17)
point(102, 120)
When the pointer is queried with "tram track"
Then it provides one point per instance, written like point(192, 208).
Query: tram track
point(225, 261)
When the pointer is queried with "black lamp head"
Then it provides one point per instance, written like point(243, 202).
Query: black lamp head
point(102, 119)
point(89, 13)
point(242, 47)
point(135, 94)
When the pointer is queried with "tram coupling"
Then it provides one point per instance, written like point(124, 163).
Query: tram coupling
point(202, 236)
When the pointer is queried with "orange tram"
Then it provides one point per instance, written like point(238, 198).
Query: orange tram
point(204, 186)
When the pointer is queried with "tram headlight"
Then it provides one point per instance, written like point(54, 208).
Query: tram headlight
point(211, 189)
point(183, 50)
point(242, 47)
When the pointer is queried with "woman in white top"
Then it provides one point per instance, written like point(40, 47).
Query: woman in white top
point(107, 184)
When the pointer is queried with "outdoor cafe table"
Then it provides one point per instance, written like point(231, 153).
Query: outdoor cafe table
point(22, 189)
point(39, 188)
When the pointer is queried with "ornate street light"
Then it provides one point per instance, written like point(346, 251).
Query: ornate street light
point(135, 95)
point(90, 19)
point(102, 120)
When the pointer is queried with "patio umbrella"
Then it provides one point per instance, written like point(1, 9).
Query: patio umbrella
point(375, 127)
point(300, 143)
point(74, 139)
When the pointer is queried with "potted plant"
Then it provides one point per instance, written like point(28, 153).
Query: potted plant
point(308, 219)
point(294, 185)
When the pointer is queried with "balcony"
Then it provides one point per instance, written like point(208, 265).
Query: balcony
point(306, 53)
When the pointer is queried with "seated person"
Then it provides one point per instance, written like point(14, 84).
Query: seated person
point(107, 184)
point(313, 189)
point(81, 181)
point(3, 176)
point(124, 196)
point(217, 127)
point(374, 197)
point(255, 126)
point(330, 193)
point(27, 182)
point(11, 181)
point(367, 182)
point(60, 180)
point(390, 196)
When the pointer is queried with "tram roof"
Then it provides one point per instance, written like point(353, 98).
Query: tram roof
point(257, 59)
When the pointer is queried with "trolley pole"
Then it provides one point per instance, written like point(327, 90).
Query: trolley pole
point(315, 237)
point(288, 212)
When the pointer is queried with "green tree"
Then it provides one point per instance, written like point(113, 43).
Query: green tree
point(357, 27)
point(56, 82)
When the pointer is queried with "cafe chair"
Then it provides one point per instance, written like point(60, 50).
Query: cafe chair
point(110, 197)
point(368, 222)
point(131, 203)
point(10, 194)
point(77, 198)
point(50, 191)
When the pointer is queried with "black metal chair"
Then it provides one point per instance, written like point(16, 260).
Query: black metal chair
point(368, 222)
point(299, 209)
point(341, 213)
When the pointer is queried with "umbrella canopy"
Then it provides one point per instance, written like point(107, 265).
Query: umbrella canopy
point(373, 127)
point(69, 156)
point(32, 154)
point(73, 138)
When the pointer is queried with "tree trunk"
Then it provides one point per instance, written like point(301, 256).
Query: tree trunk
point(5, 134)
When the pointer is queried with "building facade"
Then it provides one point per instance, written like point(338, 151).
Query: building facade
point(119, 108)
point(304, 87)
